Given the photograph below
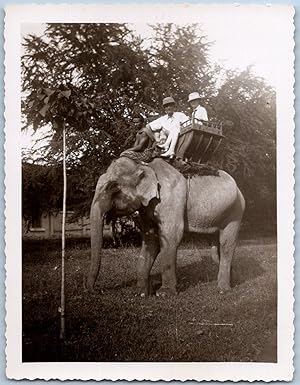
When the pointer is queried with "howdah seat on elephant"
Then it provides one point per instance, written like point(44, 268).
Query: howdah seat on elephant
point(197, 142)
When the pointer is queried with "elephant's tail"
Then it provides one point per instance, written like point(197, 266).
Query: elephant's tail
point(215, 254)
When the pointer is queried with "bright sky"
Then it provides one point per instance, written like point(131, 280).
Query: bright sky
point(240, 39)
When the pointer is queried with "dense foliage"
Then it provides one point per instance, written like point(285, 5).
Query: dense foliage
point(42, 191)
point(90, 78)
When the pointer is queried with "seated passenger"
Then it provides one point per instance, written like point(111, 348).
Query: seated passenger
point(144, 136)
point(144, 146)
point(199, 112)
point(170, 123)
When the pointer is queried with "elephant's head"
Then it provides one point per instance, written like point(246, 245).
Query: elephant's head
point(125, 188)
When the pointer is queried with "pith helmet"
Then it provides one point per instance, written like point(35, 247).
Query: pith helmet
point(194, 96)
point(168, 100)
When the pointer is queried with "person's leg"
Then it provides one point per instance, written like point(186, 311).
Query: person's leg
point(165, 146)
point(173, 137)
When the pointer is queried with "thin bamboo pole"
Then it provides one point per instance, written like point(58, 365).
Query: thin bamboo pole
point(63, 234)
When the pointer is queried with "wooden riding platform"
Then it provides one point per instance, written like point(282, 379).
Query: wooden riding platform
point(198, 140)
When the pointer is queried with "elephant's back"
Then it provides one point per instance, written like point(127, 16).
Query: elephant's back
point(208, 185)
point(209, 199)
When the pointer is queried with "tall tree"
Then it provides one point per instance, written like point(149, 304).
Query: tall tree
point(103, 73)
point(179, 60)
point(83, 75)
point(94, 59)
point(93, 76)
point(247, 106)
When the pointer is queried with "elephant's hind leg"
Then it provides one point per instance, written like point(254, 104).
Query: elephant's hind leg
point(148, 254)
point(215, 254)
point(215, 247)
point(228, 240)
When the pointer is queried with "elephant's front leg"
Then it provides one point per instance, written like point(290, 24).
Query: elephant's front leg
point(149, 251)
point(168, 257)
point(169, 241)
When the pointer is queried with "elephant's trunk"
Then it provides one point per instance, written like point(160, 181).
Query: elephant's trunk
point(96, 219)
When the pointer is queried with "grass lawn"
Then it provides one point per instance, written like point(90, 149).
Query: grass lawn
point(115, 325)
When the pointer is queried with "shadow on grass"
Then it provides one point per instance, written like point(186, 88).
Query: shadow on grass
point(245, 269)
point(91, 337)
point(204, 271)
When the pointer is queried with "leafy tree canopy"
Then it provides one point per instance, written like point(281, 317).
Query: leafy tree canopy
point(91, 78)
point(247, 106)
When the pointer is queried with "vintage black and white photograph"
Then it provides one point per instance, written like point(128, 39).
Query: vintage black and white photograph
point(151, 168)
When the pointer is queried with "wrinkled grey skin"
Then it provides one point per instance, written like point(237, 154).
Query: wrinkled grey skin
point(169, 205)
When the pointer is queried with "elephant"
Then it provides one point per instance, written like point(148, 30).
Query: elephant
point(169, 205)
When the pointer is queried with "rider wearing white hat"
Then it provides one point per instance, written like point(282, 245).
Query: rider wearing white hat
point(199, 112)
point(169, 123)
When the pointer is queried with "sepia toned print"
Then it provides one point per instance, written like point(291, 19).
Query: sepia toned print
point(154, 199)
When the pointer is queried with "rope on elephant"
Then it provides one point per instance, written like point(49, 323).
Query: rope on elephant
point(190, 169)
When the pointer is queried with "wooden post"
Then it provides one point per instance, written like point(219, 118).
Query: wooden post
point(63, 231)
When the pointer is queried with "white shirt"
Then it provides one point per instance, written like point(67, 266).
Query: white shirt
point(200, 113)
point(169, 123)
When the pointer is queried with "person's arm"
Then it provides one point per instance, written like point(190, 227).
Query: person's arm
point(156, 125)
point(140, 143)
point(205, 116)
point(167, 143)
point(183, 117)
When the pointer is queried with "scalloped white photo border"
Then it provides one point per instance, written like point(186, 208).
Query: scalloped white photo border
point(179, 13)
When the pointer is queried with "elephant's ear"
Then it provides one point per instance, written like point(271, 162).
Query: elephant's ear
point(147, 185)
